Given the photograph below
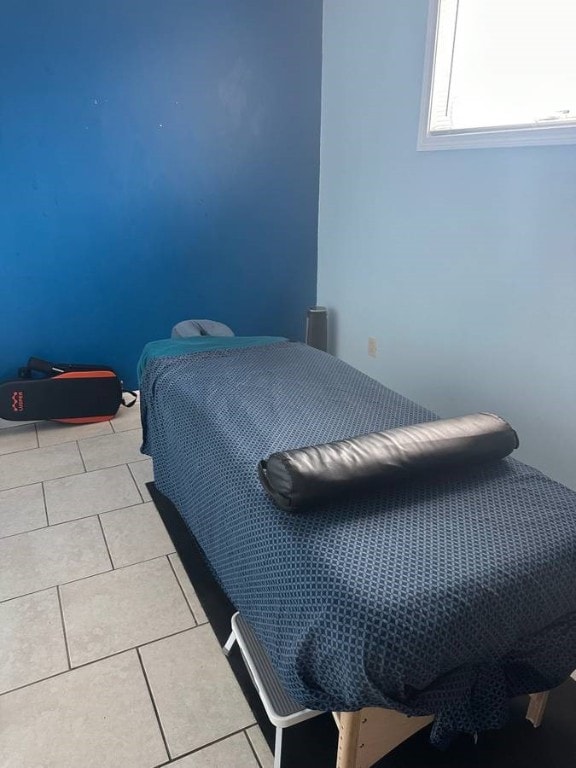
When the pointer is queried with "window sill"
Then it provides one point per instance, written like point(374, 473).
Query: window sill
point(519, 137)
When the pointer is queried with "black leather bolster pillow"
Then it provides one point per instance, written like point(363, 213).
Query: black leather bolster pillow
point(298, 478)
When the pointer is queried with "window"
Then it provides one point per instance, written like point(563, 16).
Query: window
point(499, 73)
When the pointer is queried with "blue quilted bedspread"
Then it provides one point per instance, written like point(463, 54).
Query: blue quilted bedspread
point(446, 595)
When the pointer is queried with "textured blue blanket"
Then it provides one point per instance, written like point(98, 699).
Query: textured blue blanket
point(446, 595)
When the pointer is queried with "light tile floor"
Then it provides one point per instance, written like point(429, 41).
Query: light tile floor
point(106, 657)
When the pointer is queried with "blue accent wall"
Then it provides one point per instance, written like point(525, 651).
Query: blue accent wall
point(463, 263)
point(158, 161)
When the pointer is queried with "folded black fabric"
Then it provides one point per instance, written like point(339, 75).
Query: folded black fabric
point(298, 478)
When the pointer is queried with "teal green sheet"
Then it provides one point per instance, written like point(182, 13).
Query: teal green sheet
point(179, 347)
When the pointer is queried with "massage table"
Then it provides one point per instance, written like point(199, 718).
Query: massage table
point(437, 599)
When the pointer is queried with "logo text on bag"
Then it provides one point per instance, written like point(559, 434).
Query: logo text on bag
point(17, 402)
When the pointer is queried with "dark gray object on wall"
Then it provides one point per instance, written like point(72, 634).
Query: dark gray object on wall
point(317, 328)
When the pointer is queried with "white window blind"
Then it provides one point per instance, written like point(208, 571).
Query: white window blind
point(502, 64)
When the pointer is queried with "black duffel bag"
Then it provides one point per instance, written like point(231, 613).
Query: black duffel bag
point(73, 393)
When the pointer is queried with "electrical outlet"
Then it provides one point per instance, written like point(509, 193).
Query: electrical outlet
point(372, 346)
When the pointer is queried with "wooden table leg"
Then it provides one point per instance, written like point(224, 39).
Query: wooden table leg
point(368, 735)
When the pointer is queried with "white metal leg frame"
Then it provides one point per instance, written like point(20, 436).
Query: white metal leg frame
point(281, 709)
point(365, 736)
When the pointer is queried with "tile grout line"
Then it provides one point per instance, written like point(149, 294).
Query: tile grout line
point(45, 506)
point(77, 442)
point(101, 658)
point(117, 432)
point(182, 589)
point(22, 450)
point(70, 474)
point(51, 586)
point(135, 483)
point(109, 434)
point(63, 630)
point(46, 480)
point(83, 578)
point(106, 543)
point(204, 746)
point(154, 704)
point(32, 530)
point(74, 519)
point(18, 450)
point(38, 446)
point(248, 739)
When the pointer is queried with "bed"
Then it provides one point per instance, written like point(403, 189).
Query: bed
point(439, 598)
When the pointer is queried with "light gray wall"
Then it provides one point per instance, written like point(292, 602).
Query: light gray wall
point(461, 263)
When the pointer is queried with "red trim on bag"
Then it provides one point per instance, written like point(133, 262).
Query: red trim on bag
point(86, 375)
point(84, 420)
